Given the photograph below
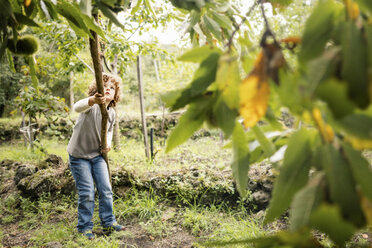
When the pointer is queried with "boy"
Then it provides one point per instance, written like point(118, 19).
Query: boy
point(87, 165)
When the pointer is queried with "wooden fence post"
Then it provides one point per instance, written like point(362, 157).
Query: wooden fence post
point(72, 100)
point(143, 116)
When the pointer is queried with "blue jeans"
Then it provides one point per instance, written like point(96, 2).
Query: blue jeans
point(86, 173)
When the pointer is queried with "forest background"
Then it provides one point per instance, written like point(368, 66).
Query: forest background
point(259, 64)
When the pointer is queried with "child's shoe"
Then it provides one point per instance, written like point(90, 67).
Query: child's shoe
point(113, 228)
point(89, 234)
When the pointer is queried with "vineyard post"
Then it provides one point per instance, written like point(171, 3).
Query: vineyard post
point(143, 115)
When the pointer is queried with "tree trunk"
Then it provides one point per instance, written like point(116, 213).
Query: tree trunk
point(72, 99)
point(94, 51)
point(143, 115)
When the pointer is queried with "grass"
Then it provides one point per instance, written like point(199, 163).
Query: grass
point(202, 153)
point(53, 219)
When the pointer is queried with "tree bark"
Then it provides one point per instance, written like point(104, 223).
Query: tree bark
point(143, 116)
point(94, 51)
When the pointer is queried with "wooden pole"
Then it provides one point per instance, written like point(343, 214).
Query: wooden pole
point(116, 135)
point(156, 70)
point(94, 51)
point(143, 116)
point(23, 125)
point(72, 100)
point(30, 134)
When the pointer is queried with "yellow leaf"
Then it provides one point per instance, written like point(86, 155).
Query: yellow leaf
point(228, 80)
point(295, 40)
point(352, 9)
point(254, 96)
point(325, 129)
point(359, 144)
point(27, 3)
point(329, 133)
point(367, 209)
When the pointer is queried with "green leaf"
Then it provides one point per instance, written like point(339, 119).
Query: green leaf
point(92, 26)
point(31, 10)
point(203, 77)
point(267, 146)
point(321, 68)
point(189, 122)
point(35, 81)
point(305, 201)
point(225, 116)
point(10, 61)
point(110, 3)
point(318, 30)
point(198, 54)
point(148, 6)
point(293, 173)
point(354, 66)
point(194, 19)
point(49, 9)
point(357, 125)
point(273, 120)
point(22, 19)
point(136, 4)
point(365, 4)
point(86, 7)
point(341, 184)
point(109, 14)
point(281, 2)
point(171, 97)
point(77, 30)
point(368, 33)
point(222, 20)
point(240, 165)
point(328, 219)
point(6, 10)
point(72, 14)
point(228, 80)
point(288, 91)
point(212, 26)
point(334, 93)
point(361, 169)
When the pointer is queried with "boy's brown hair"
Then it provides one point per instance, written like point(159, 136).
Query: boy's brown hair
point(106, 78)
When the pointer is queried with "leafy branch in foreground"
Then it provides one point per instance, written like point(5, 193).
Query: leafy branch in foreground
point(323, 179)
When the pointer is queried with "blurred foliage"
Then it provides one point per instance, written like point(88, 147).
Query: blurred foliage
point(246, 68)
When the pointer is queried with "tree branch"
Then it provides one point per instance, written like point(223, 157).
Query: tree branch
point(229, 43)
point(94, 51)
point(268, 31)
point(140, 26)
point(82, 61)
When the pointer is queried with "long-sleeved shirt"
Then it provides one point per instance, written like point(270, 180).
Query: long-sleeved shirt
point(86, 136)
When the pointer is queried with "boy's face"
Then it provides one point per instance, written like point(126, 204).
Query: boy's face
point(109, 89)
